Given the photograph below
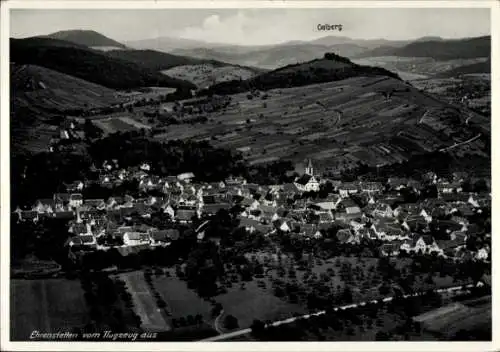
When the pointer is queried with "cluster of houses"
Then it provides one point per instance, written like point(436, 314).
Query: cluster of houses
point(362, 209)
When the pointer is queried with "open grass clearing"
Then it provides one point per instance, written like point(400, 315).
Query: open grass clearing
point(48, 305)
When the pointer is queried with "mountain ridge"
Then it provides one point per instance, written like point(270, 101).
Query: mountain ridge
point(88, 38)
point(88, 64)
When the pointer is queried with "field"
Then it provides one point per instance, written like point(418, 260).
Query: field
point(337, 123)
point(411, 68)
point(123, 124)
point(254, 302)
point(144, 303)
point(48, 305)
point(468, 90)
point(146, 93)
point(204, 75)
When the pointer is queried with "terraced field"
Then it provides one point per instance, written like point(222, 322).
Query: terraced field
point(337, 123)
point(204, 75)
point(114, 124)
point(41, 88)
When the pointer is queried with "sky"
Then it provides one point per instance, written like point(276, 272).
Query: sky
point(255, 26)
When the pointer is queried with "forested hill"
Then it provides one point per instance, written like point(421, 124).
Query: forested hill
point(86, 38)
point(88, 64)
point(331, 67)
point(442, 49)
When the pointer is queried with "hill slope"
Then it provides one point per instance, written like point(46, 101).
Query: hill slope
point(442, 49)
point(42, 89)
point(205, 75)
point(38, 95)
point(91, 39)
point(480, 67)
point(153, 60)
point(89, 65)
point(342, 123)
point(330, 68)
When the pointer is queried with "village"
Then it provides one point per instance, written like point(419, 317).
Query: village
point(394, 213)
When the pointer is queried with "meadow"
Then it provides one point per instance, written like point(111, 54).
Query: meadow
point(49, 305)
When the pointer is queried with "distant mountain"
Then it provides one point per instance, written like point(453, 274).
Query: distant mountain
point(168, 44)
point(330, 68)
point(428, 39)
point(365, 43)
point(158, 61)
point(89, 65)
point(88, 38)
point(153, 60)
point(272, 57)
point(480, 67)
point(439, 49)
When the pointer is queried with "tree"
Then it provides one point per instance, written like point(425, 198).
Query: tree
point(216, 309)
point(231, 322)
point(258, 327)
point(347, 295)
point(381, 336)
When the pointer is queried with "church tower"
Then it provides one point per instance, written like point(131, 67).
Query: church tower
point(309, 168)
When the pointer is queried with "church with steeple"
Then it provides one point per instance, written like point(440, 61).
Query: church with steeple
point(308, 181)
point(309, 170)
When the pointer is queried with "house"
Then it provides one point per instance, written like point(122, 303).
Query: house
point(346, 189)
point(235, 181)
point(80, 229)
point(447, 187)
point(161, 237)
point(415, 222)
point(186, 177)
point(371, 187)
point(185, 215)
point(282, 225)
point(27, 215)
point(135, 238)
point(95, 203)
point(415, 185)
point(325, 217)
point(483, 253)
point(61, 198)
point(307, 183)
point(350, 207)
point(167, 209)
point(212, 209)
point(88, 240)
point(329, 203)
point(76, 186)
point(459, 235)
point(75, 200)
point(391, 249)
point(426, 244)
point(450, 247)
point(252, 225)
point(308, 230)
point(383, 210)
point(44, 206)
point(145, 167)
point(397, 183)
point(64, 215)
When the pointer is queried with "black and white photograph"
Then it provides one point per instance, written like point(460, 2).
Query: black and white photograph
point(229, 173)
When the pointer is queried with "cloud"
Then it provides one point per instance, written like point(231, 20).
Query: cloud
point(243, 27)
